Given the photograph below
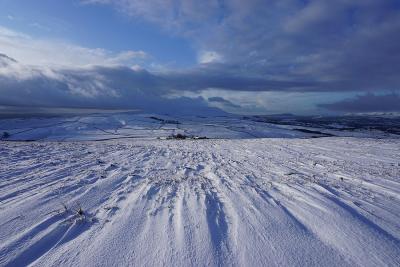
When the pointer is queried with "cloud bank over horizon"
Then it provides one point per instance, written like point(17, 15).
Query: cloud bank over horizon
point(249, 48)
point(99, 87)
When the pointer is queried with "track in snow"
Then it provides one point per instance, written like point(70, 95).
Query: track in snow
point(261, 202)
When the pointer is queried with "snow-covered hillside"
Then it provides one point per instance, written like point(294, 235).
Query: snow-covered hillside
point(132, 125)
point(256, 202)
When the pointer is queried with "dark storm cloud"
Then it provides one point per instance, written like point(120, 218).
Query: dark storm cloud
point(367, 103)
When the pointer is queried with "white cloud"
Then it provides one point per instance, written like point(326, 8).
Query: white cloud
point(46, 52)
point(209, 57)
point(183, 17)
point(39, 26)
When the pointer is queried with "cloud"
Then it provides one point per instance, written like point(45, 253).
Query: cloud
point(341, 45)
point(223, 101)
point(221, 77)
point(206, 57)
point(119, 87)
point(367, 103)
point(176, 16)
point(110, 87)
point(43, 52)
point(263, 54)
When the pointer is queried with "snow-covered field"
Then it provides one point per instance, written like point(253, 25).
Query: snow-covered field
point(151, 126)
point(245, 202)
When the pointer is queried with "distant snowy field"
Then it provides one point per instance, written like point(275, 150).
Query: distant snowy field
point(232, 201)
point(151, 126)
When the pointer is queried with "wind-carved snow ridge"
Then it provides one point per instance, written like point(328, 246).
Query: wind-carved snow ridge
point(257, 202)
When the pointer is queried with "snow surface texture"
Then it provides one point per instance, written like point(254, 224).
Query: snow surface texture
point(257, 202)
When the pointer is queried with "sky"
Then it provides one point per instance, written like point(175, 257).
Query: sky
point(244, 57)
